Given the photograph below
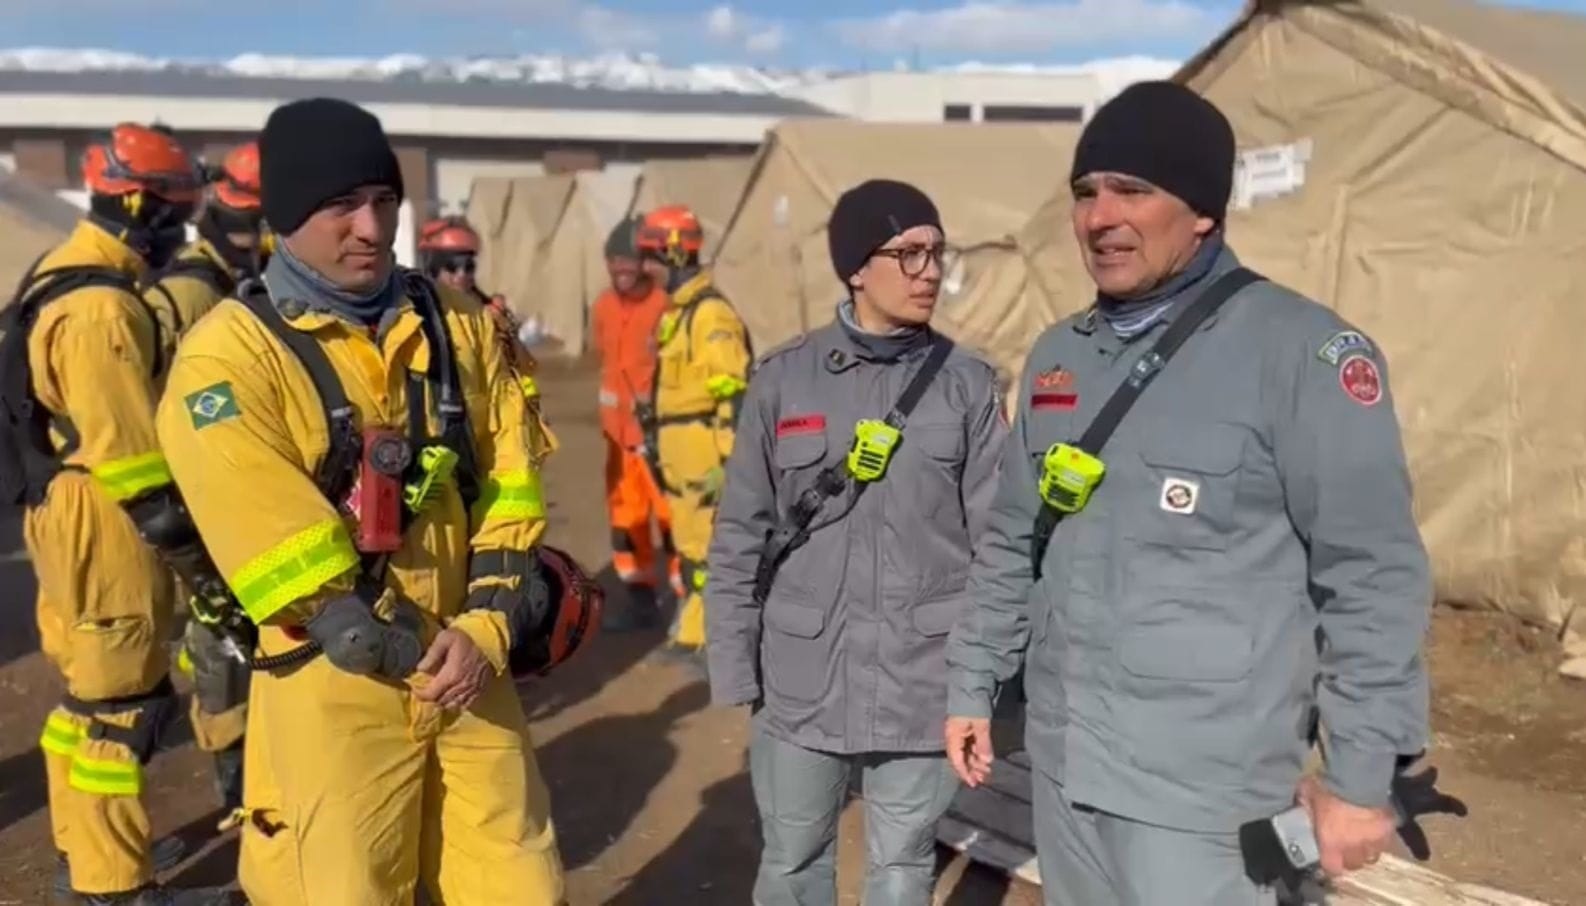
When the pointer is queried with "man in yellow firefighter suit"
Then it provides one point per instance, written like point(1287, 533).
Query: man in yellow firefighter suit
point(80, 452)
point(329, 429)
point(233, 245)
point(703, 356)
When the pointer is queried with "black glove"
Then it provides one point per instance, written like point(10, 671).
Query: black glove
point(1417, 795)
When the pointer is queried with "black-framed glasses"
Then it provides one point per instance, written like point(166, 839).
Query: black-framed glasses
point(913, 259)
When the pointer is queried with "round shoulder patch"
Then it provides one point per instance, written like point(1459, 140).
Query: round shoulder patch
point(1361, 379)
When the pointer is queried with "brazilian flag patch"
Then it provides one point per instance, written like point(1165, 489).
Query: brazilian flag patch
point(212, 405)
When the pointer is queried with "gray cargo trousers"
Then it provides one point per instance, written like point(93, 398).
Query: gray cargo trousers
point(1091, 858)
point(800, 793)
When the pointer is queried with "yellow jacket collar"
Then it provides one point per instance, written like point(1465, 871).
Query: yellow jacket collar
point(690, 291)
point(109, 249)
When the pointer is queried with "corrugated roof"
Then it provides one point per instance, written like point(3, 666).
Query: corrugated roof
point(551, 96)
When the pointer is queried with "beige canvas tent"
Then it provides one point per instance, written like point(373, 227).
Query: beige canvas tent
point(543, 240)
point(708, 185)
point(986, 179)
point(1420, 166)
point(516, 218)
point(32, 220)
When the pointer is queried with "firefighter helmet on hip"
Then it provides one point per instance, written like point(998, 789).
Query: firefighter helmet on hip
point(137, 159)
point(672, 234)
point(576, 603)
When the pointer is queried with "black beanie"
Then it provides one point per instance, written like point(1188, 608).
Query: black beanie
point(1168, 136)
point(314, 150)
point(623, 241)
point(867, 216)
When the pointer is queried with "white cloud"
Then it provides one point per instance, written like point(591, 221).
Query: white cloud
point(726, 25)
point(610, 29)
point(766, 41)
point(722, 22)
point(1000, 26)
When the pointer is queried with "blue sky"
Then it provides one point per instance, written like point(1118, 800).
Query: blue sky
point(847, 33)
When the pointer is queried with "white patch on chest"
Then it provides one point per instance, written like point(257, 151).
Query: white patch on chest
point(1179, 496)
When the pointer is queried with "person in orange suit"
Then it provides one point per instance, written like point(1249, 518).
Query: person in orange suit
point(625, 319)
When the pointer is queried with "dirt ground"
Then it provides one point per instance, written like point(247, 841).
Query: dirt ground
point(652, 801)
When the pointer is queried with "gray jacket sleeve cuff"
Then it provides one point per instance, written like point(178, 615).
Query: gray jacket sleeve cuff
point(966, 703)
point(1359, 776)
point(730, 696)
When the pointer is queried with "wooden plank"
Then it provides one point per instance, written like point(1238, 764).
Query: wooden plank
point(991, 825)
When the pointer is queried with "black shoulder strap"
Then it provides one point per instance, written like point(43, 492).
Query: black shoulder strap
point(30, 460)
point(450, 405)
point(337, 470)
point(793, 531)
point(1149, 365)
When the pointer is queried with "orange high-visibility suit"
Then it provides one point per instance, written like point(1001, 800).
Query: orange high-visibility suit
point(625, 341)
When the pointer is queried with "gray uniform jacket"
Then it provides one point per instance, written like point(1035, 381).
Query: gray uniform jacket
point(1255, 494)
point(848, 654)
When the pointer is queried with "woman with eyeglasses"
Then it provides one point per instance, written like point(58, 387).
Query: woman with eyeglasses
point(862, 472)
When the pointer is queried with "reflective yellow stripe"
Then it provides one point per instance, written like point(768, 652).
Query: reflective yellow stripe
point(511, 495)
point(294, 569)
point(124, 479)
point(529, 387)
point(725, 386)
point(61, 735)
point(106, 778)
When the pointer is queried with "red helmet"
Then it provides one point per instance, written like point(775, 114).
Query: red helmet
point(671, 233)
point(576, 602)
point(137, 158)
point(448, 235)
point(238, 185)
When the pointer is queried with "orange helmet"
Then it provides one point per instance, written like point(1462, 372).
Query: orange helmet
point(448, 235)
point(576, 602)
point(238, 185)
point(671, 233)
point(137, 158)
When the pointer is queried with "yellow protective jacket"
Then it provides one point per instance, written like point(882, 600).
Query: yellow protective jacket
point(245, 431)
point(92, 353)
point(702, 370)
point(181, 296)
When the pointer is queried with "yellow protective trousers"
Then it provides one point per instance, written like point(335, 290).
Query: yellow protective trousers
point(104, 615)
point(688, 453)
point(356, 793)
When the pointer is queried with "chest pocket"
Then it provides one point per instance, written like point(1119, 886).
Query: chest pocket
point(1189, 496)
point(798, 451)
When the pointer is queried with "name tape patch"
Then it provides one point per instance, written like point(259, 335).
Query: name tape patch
point(1061, 401)
point(801, 424)
point(1342, 344)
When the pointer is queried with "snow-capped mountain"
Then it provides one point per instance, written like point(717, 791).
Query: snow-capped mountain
point(614, 71)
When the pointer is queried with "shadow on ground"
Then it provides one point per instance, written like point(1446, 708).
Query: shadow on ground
point(594, 804)
point(712, 862)
point(19, 635)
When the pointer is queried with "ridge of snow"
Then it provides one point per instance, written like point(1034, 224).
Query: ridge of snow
point(618, 71)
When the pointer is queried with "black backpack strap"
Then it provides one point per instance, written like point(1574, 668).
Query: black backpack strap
point(1145, 369)
point(445, 380)
point(28, 458)
point(339, 468)
point(794, 530)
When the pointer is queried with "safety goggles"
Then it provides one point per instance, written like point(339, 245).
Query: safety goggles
point(458, 264)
